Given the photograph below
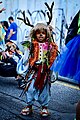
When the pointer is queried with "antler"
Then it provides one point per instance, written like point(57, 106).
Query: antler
point(25, 19)
point(49, 14)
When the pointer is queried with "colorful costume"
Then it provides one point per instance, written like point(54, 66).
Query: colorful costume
point(2, 35)
point(8, 68)
point(67, 63)
point(40, 69)
point(42, 55)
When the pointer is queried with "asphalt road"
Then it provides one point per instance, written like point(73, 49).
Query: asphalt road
point(62, 105)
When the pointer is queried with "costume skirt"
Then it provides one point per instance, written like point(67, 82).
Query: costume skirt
point(67, 63)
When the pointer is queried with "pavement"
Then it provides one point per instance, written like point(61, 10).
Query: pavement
point(62, 105)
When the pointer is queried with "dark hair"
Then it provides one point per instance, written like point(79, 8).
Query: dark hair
point(6, 24)
point(10, 18)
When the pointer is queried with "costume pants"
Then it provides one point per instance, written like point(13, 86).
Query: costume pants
point(33, 94)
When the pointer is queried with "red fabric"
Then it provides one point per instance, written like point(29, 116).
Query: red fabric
point(41, 76)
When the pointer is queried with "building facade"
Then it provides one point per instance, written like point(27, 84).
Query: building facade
point(36, 10)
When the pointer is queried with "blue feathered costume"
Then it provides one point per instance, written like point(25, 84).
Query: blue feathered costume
point(67, 63)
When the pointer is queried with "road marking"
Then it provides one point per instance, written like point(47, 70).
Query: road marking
point(68, 85)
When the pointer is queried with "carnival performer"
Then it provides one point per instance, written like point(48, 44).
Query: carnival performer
point(67, 63)
point(43, 54)
point(9, 60)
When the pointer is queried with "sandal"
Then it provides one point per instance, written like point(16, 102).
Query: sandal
point(44, 112)
point(27, 110)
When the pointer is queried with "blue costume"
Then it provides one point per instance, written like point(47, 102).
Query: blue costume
point(67, 63)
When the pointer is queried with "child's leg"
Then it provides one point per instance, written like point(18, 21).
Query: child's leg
point(45, 96)
point(44, 100)
point(29, 99)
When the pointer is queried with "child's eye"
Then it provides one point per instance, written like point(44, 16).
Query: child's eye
point(43, 33)
point(37, 32)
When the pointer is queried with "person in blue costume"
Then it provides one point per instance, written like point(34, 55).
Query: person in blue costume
point(67, 63)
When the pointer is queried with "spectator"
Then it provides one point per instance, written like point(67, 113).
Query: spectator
point(5, 69)
point(12, 30)
point(6, 28)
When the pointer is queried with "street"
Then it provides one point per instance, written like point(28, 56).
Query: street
point(62, 105)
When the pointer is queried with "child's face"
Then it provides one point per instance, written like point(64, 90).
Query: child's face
point(41, 35)
point(11, 47)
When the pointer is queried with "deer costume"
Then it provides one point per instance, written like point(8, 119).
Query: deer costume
point(43, 54)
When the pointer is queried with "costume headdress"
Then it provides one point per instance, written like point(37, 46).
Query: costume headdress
point(49, 14)
point(40, 27)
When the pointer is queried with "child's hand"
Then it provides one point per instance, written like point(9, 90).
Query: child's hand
point(4, 56)
point(49, 67)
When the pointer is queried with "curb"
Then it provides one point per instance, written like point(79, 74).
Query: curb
point(68, 80)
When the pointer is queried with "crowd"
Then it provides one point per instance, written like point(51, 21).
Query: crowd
point(9, 51)
point(32, 69)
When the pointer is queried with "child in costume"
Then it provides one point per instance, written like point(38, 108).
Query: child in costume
point(43, 54)
point(13, 53)
point(68, 63)
point(10, 59)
